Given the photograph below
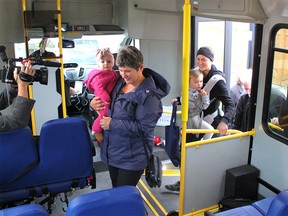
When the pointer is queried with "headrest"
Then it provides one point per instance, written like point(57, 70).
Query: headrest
point(279, 206)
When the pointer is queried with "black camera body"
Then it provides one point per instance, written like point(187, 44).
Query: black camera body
point(7, 72)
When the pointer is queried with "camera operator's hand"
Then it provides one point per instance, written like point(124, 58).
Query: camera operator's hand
point(22, 86)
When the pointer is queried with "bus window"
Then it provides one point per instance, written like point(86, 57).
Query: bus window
point(232, 45)
point(278, 112)
point(83, 53)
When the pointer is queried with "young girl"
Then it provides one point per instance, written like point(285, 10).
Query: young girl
point(102, 81)
point(198, 101)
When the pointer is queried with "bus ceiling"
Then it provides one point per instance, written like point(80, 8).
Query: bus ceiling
point(71, 32)
point(232, 10)
point(79, 30)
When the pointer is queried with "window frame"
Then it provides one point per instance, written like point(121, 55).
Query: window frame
point(272, 49)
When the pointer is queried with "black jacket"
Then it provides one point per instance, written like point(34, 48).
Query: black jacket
point(242, 113)
point(221, 94)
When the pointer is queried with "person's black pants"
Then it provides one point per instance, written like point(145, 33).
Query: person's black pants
point(120, 177)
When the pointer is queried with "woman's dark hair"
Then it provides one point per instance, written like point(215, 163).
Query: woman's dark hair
point(129, 56)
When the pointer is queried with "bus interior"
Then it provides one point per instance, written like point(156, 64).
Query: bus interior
point(248, 38)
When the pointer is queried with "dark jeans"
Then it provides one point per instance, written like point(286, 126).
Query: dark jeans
point(120, 177)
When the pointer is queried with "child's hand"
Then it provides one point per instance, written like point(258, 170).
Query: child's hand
point(203, 92)
point(275, 121)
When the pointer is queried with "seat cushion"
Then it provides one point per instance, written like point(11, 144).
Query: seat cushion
point(263, 205)
point(25, 210)
point(241, 211)
point(18, 155)
point(279, 205)
point(125, 200)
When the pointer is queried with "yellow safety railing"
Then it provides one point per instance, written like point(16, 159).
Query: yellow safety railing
point(232, 134)
point(276, 126)
point(185, 88)
point(62, 80)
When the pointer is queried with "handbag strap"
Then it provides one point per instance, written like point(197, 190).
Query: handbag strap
point(146, 146)
point(146, 151)
point(173, 116)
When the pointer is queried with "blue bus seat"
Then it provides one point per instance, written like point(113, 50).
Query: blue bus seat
point(65, 162)
point(18, 154)
point(271, 206)
point(263, 205)
point(279, 205)
point(124, 200)
point(25, 210)
point(73, 156)
point(240, 211)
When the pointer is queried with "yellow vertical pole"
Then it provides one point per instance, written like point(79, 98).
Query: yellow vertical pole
point(185, 89)
point(64, 110)
point(30, 89)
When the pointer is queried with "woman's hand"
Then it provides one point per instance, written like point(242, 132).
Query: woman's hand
point(222, 127)
point(97, 104)
point(105, 122)
point(176, 100)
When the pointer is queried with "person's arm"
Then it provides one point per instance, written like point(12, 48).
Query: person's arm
point(239, 113)
point(227, 102)
point(223, 96)
point(97, 104)
point(22, 105)
point(7, 96)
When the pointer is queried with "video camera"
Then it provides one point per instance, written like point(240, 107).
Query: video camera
point(7, 72)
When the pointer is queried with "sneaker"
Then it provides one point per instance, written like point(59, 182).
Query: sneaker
point(173, 187)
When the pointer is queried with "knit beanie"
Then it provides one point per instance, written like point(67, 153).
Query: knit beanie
point(205, 51)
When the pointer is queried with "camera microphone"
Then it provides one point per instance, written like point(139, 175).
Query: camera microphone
point(3, 55)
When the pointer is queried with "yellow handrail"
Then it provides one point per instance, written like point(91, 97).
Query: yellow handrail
point(185, 88)
point(275, 126)
point(233, 134)
point(62, 80)
point(30, 88)
point(170, 112)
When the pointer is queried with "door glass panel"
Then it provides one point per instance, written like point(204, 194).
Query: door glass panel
point(278, 112)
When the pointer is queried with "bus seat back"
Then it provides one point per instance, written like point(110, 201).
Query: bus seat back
point(125, 200)
point(279, 205)
point(65, 162)
point(18, 154)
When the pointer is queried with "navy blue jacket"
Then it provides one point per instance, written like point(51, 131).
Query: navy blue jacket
point(134, 117)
